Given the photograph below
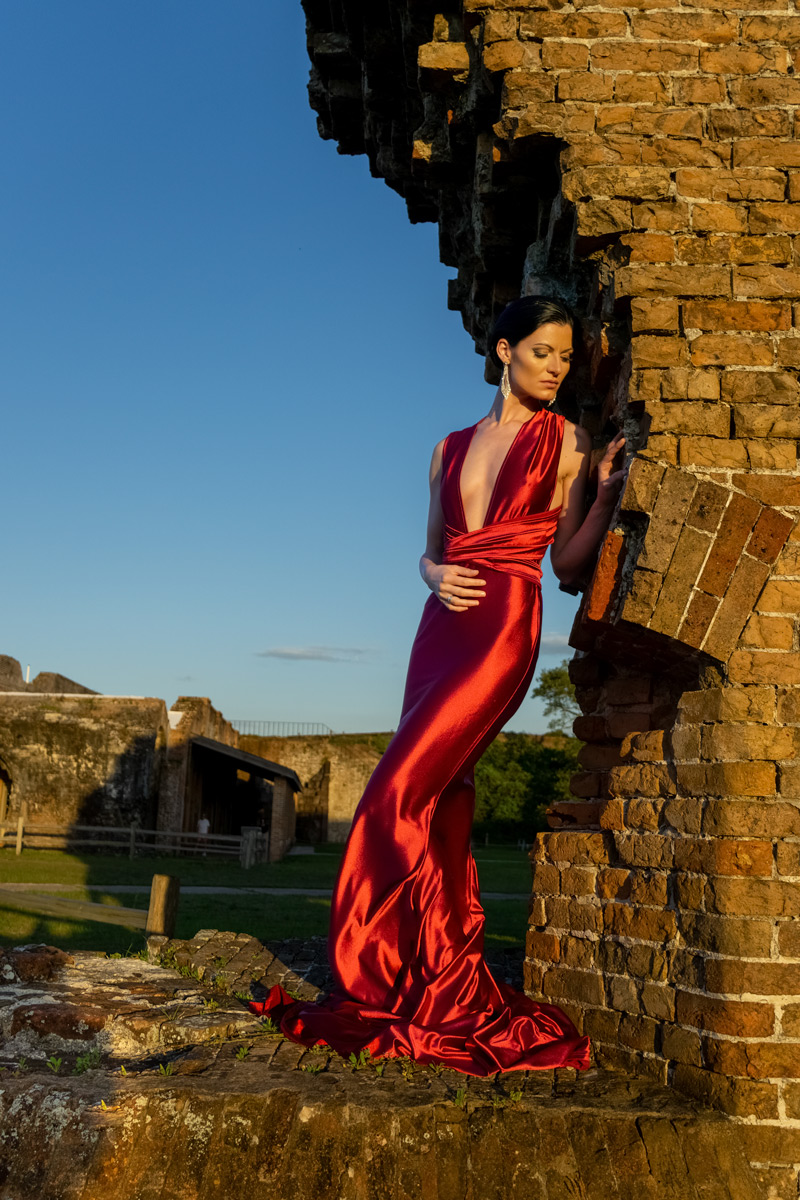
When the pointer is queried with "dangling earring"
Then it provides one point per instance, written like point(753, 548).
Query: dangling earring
point(505, 383)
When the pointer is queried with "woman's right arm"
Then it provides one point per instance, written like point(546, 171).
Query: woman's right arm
point(454, 585)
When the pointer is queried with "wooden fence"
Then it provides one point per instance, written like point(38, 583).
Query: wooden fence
point(249, 847)
point(159, 918)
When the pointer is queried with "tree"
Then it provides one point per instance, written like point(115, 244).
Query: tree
point(518, 777)
point(558, 692)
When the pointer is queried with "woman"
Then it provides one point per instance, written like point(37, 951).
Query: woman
point(406, 942)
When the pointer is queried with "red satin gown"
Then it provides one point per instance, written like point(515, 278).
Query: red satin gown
point(406, 933)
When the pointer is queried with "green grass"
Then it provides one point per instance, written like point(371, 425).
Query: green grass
point(500, 869)
point(268, 917)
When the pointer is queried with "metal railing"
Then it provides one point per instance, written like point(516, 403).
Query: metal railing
point(282, 728)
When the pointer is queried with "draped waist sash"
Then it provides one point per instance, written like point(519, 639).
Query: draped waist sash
point(516, 547)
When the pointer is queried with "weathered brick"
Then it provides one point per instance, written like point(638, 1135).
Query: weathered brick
point(768, 633)
point(668, 215)
point(707, 506)
point(676, 280)
point(781, 491)
point(733, 936)
point(766, 421)
point(712, 453)
point(634, 183)
point(743, 60)
point(728, 778)
point(737, 1097)
point(503, 56)
point(654, 314)
point(774, 218)
point(652, 351)
point(647, 924)
point(690, 553)
point(780, 596)
point(772, 454)
point(761, 977)
point(732, 349)
point(720, 184)
point(699, 615)
point(761, 387)
point(766, 281)
point(719, 218)
point(729, 704)
point(650, 247)
point(726, 123)
point(722, 248)
point(737, 522)
point(746, 582)
point(581, 85)
point(755, 1060)
point(687, 26)
point(630, 56)
point(771, 531)
point(669, 513)
point(748, 315)
point(733, 1017)
point(752, 897)
point(583, 26)
point(692, 417)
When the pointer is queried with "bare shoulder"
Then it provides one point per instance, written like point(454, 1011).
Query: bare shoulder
point(576, 448)
point(436, 458)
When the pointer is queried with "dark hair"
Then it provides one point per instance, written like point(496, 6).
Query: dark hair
point(521, 317)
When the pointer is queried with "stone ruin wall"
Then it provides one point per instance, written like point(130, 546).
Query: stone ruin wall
point(640, 159)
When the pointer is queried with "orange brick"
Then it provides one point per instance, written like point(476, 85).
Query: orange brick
point(718, 184)
point(728, 778)
point(766, 421)
point(782, 29)
point(756, 1060)
point(641, 89)
point(761, 387)
point(727, 124)
point(764, 92)
point(691, 90)
point(697, 621)
point(754, 897)
point(780, 596)
point(628, 56)
point(761, 978)
point(572, 56)
point(735, 740)
point(677, 152)
point(726, 249)
point(742, 60)
point(733, 1017)
point(752, 666)
point(653, 351)
point(689, 555)
point(649, 247)
point(719, 218)
point(737, 522)
point(666, 215)
point(736, 314)
point(653, 313)
point(688, 27)
point(775, 218)
point(782, 491)
point(768, 633)
point(583, 26)
point(772, 454)
point(673, 280)
point(770, 532)
point(707, 506)
point(732, 349)
point(712, 453)
point(503, 56)
point(581, 85)
point(521, 88)
point(765, 152)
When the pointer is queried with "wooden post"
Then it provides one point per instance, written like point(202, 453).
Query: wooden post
point(163, 912)
point(3, 801)
point(132, 849)
point(23, 813)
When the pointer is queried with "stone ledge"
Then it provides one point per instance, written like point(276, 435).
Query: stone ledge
point(160, 1085)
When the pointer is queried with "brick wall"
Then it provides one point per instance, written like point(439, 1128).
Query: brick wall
point(640, 158)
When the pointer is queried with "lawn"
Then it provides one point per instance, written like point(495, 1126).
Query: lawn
point(267, 917)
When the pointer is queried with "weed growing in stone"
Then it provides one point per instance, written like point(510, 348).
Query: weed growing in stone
point(122, 1070)
point(89, 1061)
point(436, 1068)
point(312, 1068)
point(380, 1067)
point(166, 1068)
point(406, 1068)
point(242, 1053)
point(245, 997)
point(211, 1005)
point(460, 1097)
point(22, 1065)
point(515, 1095)
point(54, 1064)
point(360, 1062)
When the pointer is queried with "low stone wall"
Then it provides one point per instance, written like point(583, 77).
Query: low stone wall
point(215, 1103)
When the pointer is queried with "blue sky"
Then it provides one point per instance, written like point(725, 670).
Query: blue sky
point(226, 357)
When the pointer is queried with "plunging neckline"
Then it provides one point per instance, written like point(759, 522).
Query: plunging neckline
point(506, 456)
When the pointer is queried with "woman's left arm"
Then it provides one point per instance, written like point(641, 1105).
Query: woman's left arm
point(578, 536)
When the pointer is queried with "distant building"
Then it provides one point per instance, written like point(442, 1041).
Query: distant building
point(73, 756)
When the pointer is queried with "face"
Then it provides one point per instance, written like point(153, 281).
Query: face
point(538, 364)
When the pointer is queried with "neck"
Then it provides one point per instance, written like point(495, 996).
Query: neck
point(512, 408)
